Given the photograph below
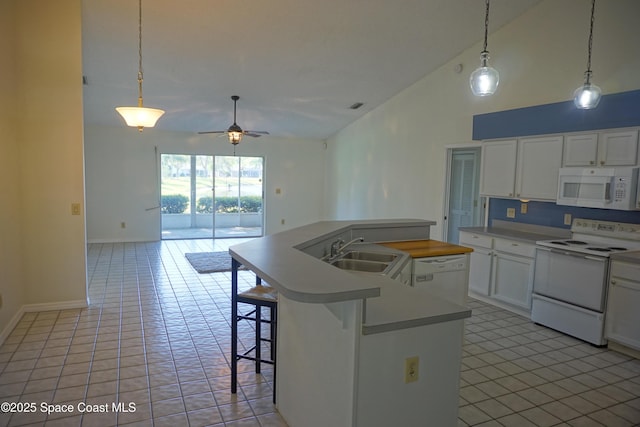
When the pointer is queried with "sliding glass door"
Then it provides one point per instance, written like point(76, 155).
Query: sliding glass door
point(239, 196)
point(211, 196)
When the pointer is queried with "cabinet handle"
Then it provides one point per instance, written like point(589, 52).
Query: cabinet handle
point(601, 162)
point(591, 162)
point(510, 194)
point(514, 244)
point(613, 282)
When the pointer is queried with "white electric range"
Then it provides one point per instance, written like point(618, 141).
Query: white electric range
point(570, 279)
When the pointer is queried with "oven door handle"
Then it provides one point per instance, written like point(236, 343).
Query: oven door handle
point(562, 252)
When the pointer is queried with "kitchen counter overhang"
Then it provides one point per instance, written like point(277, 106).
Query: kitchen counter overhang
point(299, 276)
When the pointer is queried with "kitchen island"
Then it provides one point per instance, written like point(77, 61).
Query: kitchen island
point(349, 342)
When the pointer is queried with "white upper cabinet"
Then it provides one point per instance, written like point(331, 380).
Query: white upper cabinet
point(498, 168)
point(581, 150)
point(618, 148)
point(604, 149)
point(539, 160)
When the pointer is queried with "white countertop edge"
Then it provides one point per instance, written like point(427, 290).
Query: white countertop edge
point(368, 329)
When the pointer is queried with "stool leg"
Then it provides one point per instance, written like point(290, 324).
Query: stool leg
point(274, 321)
point(258, 337)
point(234, 325)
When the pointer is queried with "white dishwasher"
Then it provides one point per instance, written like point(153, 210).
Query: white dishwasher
point(444, 276)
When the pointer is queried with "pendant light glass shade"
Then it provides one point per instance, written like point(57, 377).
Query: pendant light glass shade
point(588, 95)
point(485, 79)
point(140, 116)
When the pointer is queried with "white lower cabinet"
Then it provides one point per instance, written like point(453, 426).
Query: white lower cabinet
point(513, 279)
point(501, 269)
point(623, 316)
point(479, 261)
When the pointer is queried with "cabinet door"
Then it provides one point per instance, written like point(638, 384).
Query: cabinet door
point(480, 271)
point(619, 148)
point(580, 150)
point(539, 160)
point(623, 316)
point(498, 170)
point(512, 279)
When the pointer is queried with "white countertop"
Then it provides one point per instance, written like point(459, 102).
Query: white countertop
point(629, 256)
point(523, 232)
point(304, 278)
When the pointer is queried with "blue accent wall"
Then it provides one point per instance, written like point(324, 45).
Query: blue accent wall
point(616, 110)
point(551, 215)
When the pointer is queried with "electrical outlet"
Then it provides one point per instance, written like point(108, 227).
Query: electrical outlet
point(123, 224)
point(282, 221)
point(567, 219)
point(523, 208)
point(278, 191)
point(511, 212)
point(75, 208)
point(411, 369)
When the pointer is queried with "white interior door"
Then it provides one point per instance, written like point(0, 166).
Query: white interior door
point(463, 201)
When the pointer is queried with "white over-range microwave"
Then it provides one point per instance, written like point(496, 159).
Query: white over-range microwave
point(605, 188)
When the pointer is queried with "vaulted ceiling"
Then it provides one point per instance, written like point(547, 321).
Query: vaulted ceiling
point(297, 65)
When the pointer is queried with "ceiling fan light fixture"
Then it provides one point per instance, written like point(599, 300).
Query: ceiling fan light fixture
point(485, 79)
point(587, 96)
point(140, 116)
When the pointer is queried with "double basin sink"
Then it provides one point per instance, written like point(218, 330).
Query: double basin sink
point(367, 262)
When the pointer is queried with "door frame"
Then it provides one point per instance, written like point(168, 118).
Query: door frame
point(449, 149)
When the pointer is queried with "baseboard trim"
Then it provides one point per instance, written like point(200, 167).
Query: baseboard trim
point(30, 308)
point(11, 325)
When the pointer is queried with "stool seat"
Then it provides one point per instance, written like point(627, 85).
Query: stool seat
point(261, 292)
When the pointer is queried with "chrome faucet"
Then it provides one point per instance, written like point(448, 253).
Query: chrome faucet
point(336, 247)
point(343, 247)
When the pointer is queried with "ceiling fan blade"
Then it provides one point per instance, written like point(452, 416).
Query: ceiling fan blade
point(212, 131)
point(256, 133)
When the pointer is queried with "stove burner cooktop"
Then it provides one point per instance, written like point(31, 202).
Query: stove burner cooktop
point(580, 246)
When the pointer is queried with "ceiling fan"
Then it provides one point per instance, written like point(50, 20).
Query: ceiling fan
point(235, 132)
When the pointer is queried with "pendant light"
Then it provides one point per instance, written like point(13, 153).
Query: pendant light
point(588, 95)
point(140, 116)
point(484, 80)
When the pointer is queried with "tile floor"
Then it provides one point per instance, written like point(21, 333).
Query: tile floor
point(157, 335)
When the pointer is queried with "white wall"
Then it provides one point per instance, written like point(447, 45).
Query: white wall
point(11, 289)
point(391, 162)
point(43, 256)
point(121, 181)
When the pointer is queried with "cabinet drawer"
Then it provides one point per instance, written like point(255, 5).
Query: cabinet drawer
point(472, 239)
point(514, 247)
point(624, 270)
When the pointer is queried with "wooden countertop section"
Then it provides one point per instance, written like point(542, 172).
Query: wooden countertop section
point(427, 248)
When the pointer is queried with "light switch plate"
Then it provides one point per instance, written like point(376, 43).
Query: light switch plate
point(567, 219)
point(511, 212)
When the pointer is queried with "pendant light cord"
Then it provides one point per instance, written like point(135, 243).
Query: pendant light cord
point(140, 53)
point(593, 8)
point(486, 27)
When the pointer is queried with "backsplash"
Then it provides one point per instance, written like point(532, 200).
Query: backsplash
point(551, 215)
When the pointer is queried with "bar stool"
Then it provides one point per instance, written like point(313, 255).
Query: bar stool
point(258, 296)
